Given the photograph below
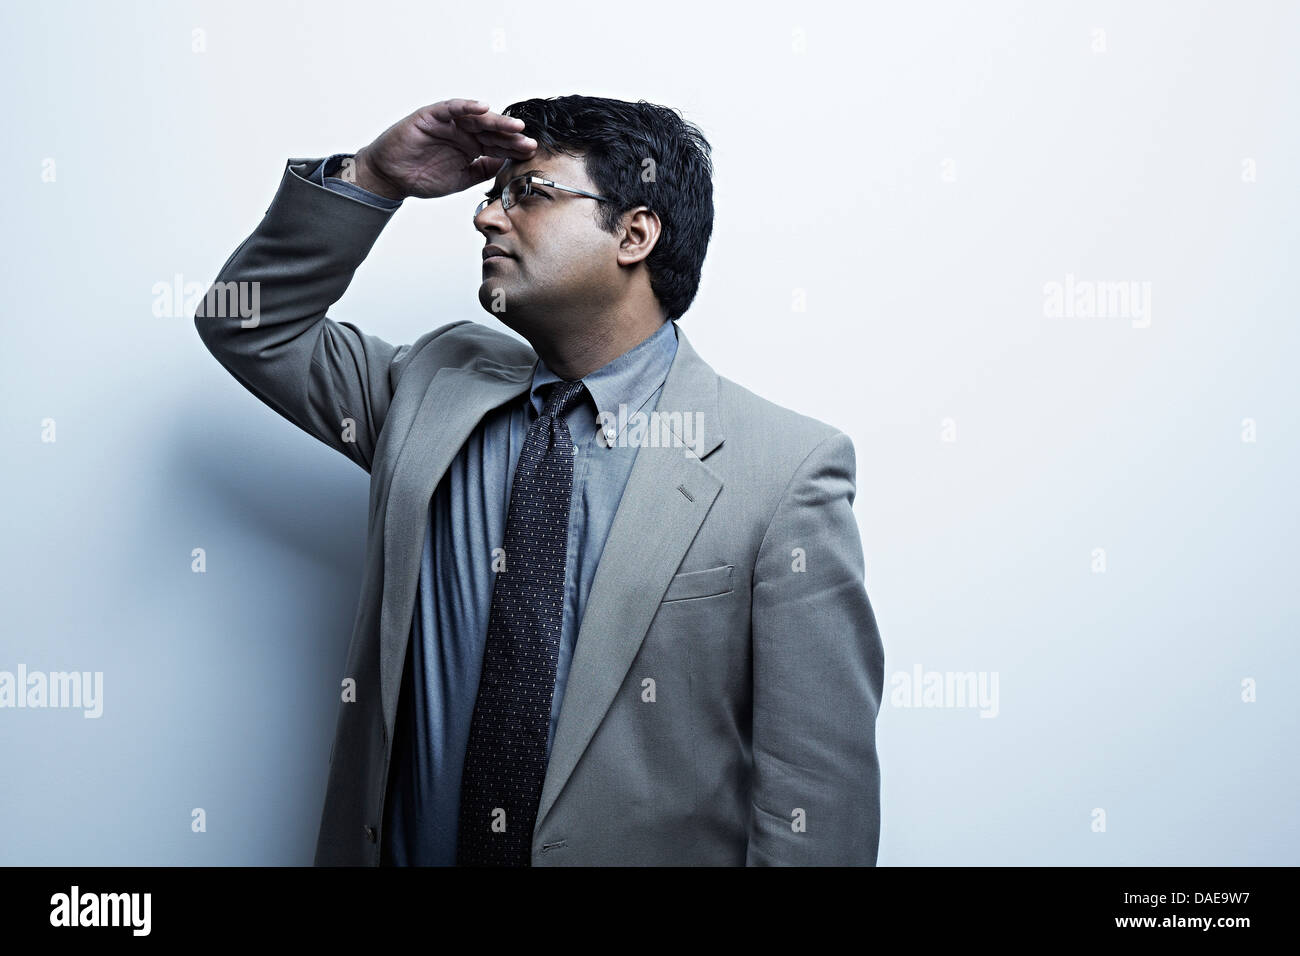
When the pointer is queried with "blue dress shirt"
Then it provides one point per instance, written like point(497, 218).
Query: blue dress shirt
point(467, 521)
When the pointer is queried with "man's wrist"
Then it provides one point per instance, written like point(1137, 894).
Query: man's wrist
point(357, 170)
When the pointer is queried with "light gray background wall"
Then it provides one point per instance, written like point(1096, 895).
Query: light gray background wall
point(896, 185)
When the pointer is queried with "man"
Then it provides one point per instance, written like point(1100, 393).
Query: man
point(581, 639)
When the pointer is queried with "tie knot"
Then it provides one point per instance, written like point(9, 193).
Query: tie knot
point(561, 397)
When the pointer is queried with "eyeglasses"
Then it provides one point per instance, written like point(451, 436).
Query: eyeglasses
point(521, 187)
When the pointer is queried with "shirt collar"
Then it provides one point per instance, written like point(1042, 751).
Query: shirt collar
point(628, 380)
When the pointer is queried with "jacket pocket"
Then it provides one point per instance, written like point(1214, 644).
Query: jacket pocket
point(698, 584)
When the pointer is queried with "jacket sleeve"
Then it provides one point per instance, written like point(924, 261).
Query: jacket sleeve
point(264, 317)
point(818, 673)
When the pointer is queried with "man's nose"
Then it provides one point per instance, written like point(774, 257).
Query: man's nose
point(492, 215)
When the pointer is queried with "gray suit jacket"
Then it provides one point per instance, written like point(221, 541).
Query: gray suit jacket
point(722, 700)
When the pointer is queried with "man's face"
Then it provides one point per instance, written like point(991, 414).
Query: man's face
point(561, 263)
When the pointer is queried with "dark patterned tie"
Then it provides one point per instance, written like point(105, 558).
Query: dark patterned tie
point(505, 763)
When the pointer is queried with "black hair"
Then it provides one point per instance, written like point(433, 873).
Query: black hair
point(637, 154)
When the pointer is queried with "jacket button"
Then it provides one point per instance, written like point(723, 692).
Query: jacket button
point(370, 832)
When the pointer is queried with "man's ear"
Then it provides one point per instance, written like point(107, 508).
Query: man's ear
point(641, 228)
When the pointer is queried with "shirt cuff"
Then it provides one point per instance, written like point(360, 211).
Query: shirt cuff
point(322, 176)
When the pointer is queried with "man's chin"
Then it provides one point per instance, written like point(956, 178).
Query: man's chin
point(501, 315)
point(493, 297)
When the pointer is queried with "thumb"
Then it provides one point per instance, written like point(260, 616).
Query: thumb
point(485, 167)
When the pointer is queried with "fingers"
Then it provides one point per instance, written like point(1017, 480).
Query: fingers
point(447, 110)
point(513, 145)
point(475, 130)
point(473, 115)
point(485, 167)
point(506, 146)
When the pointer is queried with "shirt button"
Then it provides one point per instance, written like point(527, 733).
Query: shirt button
point(370, 832)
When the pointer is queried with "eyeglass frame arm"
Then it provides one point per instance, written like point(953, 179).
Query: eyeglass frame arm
point(533, 179)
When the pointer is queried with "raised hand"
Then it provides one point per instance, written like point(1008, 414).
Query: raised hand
point(441, 149)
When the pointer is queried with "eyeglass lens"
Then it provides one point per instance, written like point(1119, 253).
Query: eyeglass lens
point(514, 191)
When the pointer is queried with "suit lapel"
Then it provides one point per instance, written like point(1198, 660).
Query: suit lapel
point(668, 493)
point(457, 399)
